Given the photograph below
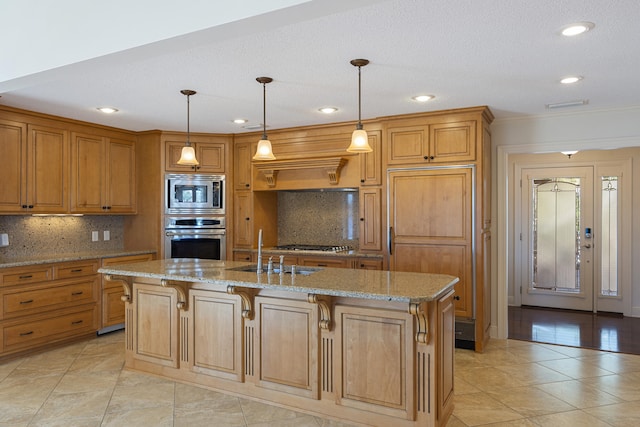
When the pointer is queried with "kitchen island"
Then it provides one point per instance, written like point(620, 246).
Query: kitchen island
point(367, 347)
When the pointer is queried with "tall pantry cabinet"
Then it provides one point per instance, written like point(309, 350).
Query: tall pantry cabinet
point(438, 182)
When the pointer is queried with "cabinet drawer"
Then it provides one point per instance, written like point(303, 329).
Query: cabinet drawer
point(325, 262)
point(36, 299)
point(46, 330)
point(76, 269)
point(26, 275)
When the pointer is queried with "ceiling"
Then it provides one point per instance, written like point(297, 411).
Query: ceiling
point(70, 56)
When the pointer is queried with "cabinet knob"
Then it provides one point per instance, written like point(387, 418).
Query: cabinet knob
point(362, 181)
point(361, 219)
point(247, 219)
point(431, 158)
point(30, 206)
point(457, 297)
point(426, 157)
point(24, 206)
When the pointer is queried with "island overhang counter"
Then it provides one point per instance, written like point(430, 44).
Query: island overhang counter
point(368, 347)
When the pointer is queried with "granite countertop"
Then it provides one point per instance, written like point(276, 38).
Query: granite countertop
point(342, 282)
point(75, 256)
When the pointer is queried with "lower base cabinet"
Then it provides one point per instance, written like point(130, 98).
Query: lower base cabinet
point(371, 362)
point(46, 304)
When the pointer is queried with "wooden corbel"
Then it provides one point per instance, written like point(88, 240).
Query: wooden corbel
point(126, 285)
point(182, 294)
point(247, 303)
point(325, 311)
point(419, 311)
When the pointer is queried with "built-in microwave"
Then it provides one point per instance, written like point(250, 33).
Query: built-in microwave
point(194, 194)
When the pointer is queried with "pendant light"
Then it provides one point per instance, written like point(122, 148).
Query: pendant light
point(264, 150)
point(188, 155)
point(359, 138)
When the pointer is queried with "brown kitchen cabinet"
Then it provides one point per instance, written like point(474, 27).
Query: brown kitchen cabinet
point(369, 263)
point(35, 175)
point(209, 153)
point(48, 303)
point(416, 141)
point(371, 163)
point(440, 217)
point(242, 165)
point(370, 219)
point(103, 174)
point(242, 256)
point(326, 261)
point(242, 222)
point(112, 291)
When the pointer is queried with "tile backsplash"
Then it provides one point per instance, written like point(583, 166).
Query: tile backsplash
point(46, 235)
point(318, 218)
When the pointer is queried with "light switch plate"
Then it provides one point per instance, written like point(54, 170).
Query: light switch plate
point(106, 235)
point(95, 236)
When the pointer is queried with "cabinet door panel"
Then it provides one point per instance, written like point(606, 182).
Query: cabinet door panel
point(242, 223)
point(370, 219)
point(211, 157)
point(121, 176)
point(288, 346)
point(453, 141)
point(242, 165)
point(408, 144)
point(13, 152)
point(87, 173)
point(48, 169)
point(156, 325)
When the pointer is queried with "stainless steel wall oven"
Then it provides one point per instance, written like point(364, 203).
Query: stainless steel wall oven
point(195, 237)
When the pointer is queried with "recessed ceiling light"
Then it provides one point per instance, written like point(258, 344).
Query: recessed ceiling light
point(577, 28)
point(240, 121)
point(571, 79)
point(328, 110)
point(422, 98)
point(108, 110)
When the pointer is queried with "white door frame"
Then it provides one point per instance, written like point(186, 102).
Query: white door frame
point(500, 218)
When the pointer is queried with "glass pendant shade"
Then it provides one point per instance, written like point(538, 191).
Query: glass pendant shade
point(264, 151)
point(359, 142)
point(188, 156)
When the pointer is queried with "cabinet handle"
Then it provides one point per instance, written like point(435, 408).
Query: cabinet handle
point(28, 276)
point(322, 265)
point(77, 322)
point(76, 270)
point(77, 293)
point(247, 258)
point(24, 334)
point(29, 301)
point(390, 240)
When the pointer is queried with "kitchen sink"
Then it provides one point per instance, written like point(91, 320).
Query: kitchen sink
point(253, 268)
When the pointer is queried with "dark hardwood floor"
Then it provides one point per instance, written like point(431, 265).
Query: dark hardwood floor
point(575, 328)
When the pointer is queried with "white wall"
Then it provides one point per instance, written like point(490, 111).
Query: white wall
point(554, 132)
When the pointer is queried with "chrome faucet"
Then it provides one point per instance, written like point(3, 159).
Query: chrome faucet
point(259, 268)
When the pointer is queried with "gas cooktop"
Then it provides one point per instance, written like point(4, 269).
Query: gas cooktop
point(321, 248)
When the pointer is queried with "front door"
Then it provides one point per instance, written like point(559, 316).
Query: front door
point(557, 212)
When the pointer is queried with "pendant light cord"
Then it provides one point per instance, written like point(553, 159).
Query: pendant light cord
point(264, 111)
point(188, 120)
point(359, 126)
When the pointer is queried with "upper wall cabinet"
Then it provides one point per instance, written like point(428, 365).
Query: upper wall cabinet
point(34, 172)
point(210, 153)
point(371, 163)
point(103, 175)
point(414, 141)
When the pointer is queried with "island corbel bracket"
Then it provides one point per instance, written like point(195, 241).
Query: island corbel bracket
point(419, 311)
point(182, 295)
point(126, 285)
point(247, 304)
point(331, 165)
point(325, 311)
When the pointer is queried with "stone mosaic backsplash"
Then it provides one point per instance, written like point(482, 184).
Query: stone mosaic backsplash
point(46, 235)
point(318, 218)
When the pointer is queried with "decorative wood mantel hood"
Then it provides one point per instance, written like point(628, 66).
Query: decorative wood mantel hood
point(330, 165)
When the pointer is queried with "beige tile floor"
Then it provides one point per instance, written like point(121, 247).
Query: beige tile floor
point(514, 383)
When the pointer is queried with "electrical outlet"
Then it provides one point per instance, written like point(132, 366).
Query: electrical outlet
point(95, 236)
point(106, 235)
point(4, 240)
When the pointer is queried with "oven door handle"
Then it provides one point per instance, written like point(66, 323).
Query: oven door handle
point(195, 233)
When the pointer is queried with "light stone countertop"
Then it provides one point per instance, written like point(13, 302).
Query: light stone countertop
point(341, 282)
point(75, 256)
point(347, 254)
